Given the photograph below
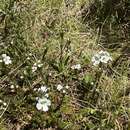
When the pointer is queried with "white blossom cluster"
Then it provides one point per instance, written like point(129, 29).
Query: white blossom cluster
point(76, 67)
point(61, 88)
point(36, 65)
point(101, 57)
point(12, 87)
point(43, 103)
point(6, 59)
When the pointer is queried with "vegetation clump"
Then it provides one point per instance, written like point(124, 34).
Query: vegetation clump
point(64, 65)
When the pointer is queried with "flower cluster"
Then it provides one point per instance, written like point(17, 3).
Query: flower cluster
point(101, 57)
point(6, 59)
point(76, 67)
point(36, 66)
point(13, 88)
point(60, 87)
point(43, 89)
point(43, 103)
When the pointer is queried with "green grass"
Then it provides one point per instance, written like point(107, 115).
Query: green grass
point(54, 32)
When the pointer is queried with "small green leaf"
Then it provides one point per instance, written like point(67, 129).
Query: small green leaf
point(88, 78)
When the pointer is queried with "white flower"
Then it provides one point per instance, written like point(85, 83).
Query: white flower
point(37, 98)
point(77, 66)
point(96, 59)
point(6, 59)
point(64, 91)
point(34, 68)
point(36, 65)
point(38, 61)
point(43, 104)
point(4, 55)
point(43, 89)
point(28, 58)
point(50, 74)
point(35, 89)
point(92, 83)
point(12, 86)
point(101, 57)
point(1, 101)
point(21, 77)
point(40, 65)
point(12, 42)
point(105, 57)
point(17, 86)
point(67, 87)
point(59, 87)
point(4, 103)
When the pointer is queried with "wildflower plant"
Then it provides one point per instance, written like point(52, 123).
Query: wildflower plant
point(43, 103)
point(101, 57)
point(6, 59)
point(76, 67)
point(36, 65)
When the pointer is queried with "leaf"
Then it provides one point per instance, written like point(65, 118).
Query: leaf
point(88, 78)
point(66, 60)
point(45, 52)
